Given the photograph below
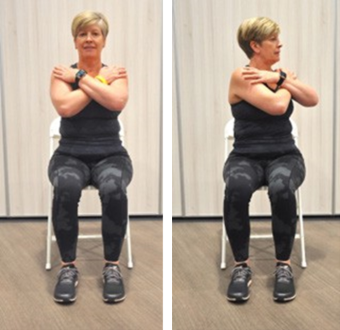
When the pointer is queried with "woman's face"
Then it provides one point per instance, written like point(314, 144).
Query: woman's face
point(270, 49)
point(90, 41)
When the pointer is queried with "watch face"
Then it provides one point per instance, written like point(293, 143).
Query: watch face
point(80, 74)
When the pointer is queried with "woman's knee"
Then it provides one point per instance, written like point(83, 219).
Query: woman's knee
point(67, 183)
point(112, 189)
point(238, 191)
point(281, 189)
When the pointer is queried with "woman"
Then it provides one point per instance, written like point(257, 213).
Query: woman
point(264, 154)
point(89, 96)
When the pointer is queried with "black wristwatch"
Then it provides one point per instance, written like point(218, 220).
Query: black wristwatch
point(283, 76)
point(80, 74)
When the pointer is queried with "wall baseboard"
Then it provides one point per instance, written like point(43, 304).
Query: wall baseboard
point(256, 218)
point(86, 218)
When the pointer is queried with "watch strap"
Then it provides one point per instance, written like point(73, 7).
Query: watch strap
point(80, 74)
point(283, 77)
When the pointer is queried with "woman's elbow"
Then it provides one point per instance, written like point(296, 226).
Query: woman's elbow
point(280, 108)
point(310, 101)
point(63, 111)
point(314, 100)
point(117, 107)
point(119, 104)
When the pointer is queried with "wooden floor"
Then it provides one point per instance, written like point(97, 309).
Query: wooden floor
point(199, 285)
point(26, 288)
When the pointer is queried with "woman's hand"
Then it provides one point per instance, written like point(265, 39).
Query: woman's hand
point(257, 76)
point(112, 73)
point(65, 73)
point(263, 76)
point(290, 74)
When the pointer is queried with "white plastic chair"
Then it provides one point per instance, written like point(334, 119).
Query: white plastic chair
point(228, 136)
point(54, 137)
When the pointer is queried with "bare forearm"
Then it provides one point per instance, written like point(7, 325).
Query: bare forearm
point(113, 95)
point(66, 101)
point(113, 98)
point(301, 93)
point(277, 104)
point(72, 103)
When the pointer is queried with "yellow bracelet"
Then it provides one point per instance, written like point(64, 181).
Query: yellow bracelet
point(102, 79)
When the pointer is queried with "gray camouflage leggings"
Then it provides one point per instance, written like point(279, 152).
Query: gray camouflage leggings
point(243, 176)
point(69, 176)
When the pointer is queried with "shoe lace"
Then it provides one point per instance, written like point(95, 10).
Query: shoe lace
point(112, 273)
point(283, 273)
point(239, 273)
point(67, 274)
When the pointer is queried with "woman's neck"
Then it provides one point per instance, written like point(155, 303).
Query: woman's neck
point(91, 66)
point(260, 64)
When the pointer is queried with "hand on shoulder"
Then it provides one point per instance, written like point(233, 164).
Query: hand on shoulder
point(256, 76)
point(112, 73)
point(64, 73)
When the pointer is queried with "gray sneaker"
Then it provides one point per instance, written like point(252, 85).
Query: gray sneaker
point(284, 289)
point(65, 289)
point(113, 290)
point(238, 289)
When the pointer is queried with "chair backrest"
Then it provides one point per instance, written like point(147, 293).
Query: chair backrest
point(229, 134)
point(55, 134)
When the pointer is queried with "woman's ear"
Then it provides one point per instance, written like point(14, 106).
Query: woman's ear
point(255, 46)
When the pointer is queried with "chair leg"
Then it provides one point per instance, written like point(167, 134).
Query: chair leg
point(128, 245)
point(223, 247)
point(49, 233)
point(302, 232)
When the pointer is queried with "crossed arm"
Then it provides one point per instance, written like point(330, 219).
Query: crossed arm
point(247, 84)
point(69, 102)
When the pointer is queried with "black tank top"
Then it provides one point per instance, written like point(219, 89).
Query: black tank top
point(256, 132)
point(93, 131)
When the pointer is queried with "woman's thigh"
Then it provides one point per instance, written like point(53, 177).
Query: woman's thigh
point(286, 172)
point(243, 173)
point(68, 171)
point(114, 172)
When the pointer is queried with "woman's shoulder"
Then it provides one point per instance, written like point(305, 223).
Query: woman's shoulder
point(237, 73)
point(236, 82)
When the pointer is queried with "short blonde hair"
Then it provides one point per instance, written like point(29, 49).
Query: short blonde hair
point(255, 29)
point(86, 18)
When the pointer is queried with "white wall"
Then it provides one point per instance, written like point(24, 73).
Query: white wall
point(206, 54)
point(3, 171)
point(36, 35)
point(336, 170)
